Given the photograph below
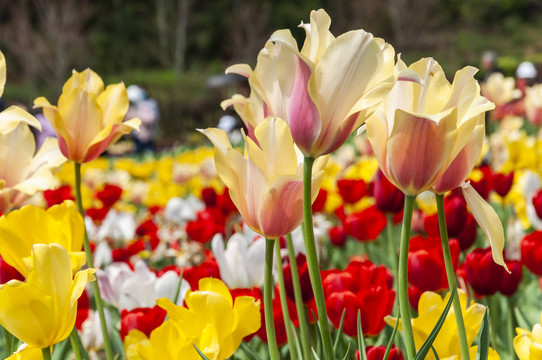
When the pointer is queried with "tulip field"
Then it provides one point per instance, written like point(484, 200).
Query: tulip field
point(373, 210)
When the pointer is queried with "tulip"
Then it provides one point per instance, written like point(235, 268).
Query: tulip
point(325, 90)
point(307, 294)
point(527, 344)
point(88, 118)
point(217, 326)
point(503, 183)
point(142, 319)
point(388, 198)
point(365, 225)
point(41, 312)
point(499, 89)
point(24, 172)
point(533, 104)
point(531, 252)
point(241, 264)
point(486, 277)
point(266, 184)
point(58, 195)
point(60, 224)
point(352, 190)
point(377, 353)
point(430, 308)
point(421, 128)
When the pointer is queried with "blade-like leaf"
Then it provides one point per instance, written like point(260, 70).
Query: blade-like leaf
point(392, 337)
point(483, 339)
point(361, 340)
point(315, 354)
point(200, 353)
point(178, 290)
point(251, 354)
point(435, 352)
point(433, 335)
point(339, 333)
point(347, 352)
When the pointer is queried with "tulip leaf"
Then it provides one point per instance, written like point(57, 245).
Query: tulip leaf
point(200, 353)
point(347, 352)
point(435, 352)
point(339, 333)
point(315, 354)
point(296, 341)
point(392, 337)
point(178, 290)
point(249, 352)
point(318, 335)
point(61, 350)
point(361, 340)
point(483, 339)
point(433, 335)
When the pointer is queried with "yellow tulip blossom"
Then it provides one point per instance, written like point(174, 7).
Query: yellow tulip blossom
point(41, 311)
point(500, 89)
point(430, 308)
point(28, 353)
point(527, 344)
point(88, 118)
point(212, 321)
point(60, 224)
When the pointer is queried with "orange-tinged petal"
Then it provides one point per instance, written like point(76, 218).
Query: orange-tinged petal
point(108, 136)
point(488, 220)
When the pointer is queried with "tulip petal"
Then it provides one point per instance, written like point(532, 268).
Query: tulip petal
point(247, 310)
point(318, 36)
point(522, 343)
point(114, 104)
point(110, 135)
point(12, 116)
point(86, 79)
point(240, 69)
point(217, 286)
point(14, 163)
point(488, 220)
point(2, 73)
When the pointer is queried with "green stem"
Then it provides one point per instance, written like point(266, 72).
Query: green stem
point(284, 303)
point(301, 315)
point(90, 262)
point(312, 260)
point(268, 300)
point(46, 352)
point(402, 277)
point(9, 341)
point(510, 323)
point(450, 274)
point(493, 320)
point(75, 344)
point(391, 243)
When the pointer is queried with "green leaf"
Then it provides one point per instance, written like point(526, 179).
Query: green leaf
point(435, 352)
point(392, 337)
point(361, 340)
point(339, 333)
point(297, 342)
point(249, 352)
point(200, 353)
point(347, 352)
point(483, 339)
point(315, 354)
point(318, 335)
point(176, 296)
point(433, 335)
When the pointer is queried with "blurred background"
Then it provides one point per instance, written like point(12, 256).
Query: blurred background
point(176, 50)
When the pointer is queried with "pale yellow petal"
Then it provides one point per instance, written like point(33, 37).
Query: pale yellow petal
point(521, 346)
point(114, 104)
point(13, 116)
point(2, 73)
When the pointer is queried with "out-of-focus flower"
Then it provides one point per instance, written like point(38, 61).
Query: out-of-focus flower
point(8, 272)
point(365, 225)
point(88, 118)
point(217, 326)
point(117, 227)
point(531, 252)
point(352, 190)
point(499, 89)
point(426, 268)
point(241, 263)
point(181, 210)
point(388, 198)
point(377, 353)
point(58, 195)
point(307, 294)
point(430, 308)
point(533, 104)
point(208, 223)
point(421, 128)
point(127, 289)
point(362, 287)
point(41, 312)
point(337, 235)
point(109, 195)
point(527, 344)
point(142, 319)
point(60, 224)
point(486, 277)
point(502, 183)
point(24, 172)
point(266, 183)
point(325, 90)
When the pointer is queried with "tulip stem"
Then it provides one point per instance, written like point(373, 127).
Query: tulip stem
point(75, 344)
point(312, 260)
point(402, 284)
point(284, 303)
point(301, 314)
point(90, 262)
point(46, 352)
point(268, 301)
point(450, 274)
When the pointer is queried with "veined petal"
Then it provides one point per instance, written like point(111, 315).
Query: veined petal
point(318, 37)
point(488, 220)
point(247, 310)
point(13, 116)
point(50, 112)
point(114, 104)
point(217, 286)
point(86, 79)
point(522, 343)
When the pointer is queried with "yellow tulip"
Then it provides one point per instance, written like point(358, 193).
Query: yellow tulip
point(325, 90)
point(266, 184)
point(528, 345)
point(28, 353)
point(499, 89)
point(60, 224)
point(41, 311)
point(14, 115)
point(212, 321)
point(533, 104)
point(88, 118)
point(430, 308)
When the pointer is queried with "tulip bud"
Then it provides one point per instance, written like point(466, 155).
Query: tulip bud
point(531, 252)
point(304, 279)
point(503, 183)
point(388, 198)
point(483, 274)
point(352, 190)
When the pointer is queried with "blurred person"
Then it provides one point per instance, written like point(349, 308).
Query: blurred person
point(146, 109)
point(489, 64)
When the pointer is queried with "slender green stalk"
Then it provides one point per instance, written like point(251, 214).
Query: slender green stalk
point(46, 352)
point(510, 323)
point(391, 243)
point(90, 262)
point(301, 314)
point(268, 300)
point(402, 277)
point(312, 261)
point(75, 344)
point(450, 274)
point(284, 304)
point(9, 341)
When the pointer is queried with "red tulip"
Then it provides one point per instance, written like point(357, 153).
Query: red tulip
point(537, 203)
point(58, 195)
point(142, 319)
point(388, 198)
point(304, 279)
point(83, 309)
point(503, 183)
point(208, 195)
point(426, 268)
point(149, 231)
point(510, 282)
point(485, 184)
point(483, 274)
point(320, 202)
point(531, 252)
point(109, 195)
point(337, 235)
point(8, 272)
point(366, 224)
point(377, 353)
point(351, 190)
point(414, 295)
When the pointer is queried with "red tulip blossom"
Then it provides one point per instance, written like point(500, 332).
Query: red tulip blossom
point(142, 319)
point(537, 203)
point(531, 252)
point(351, 190)
point(320, 201)
point(8, 272)
point(377, 353)
point(58, 195)
point(337, 235)
point(365, 225)
point(388, 198)
point(503, 183)
point(109, 195)
point(304, 279)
